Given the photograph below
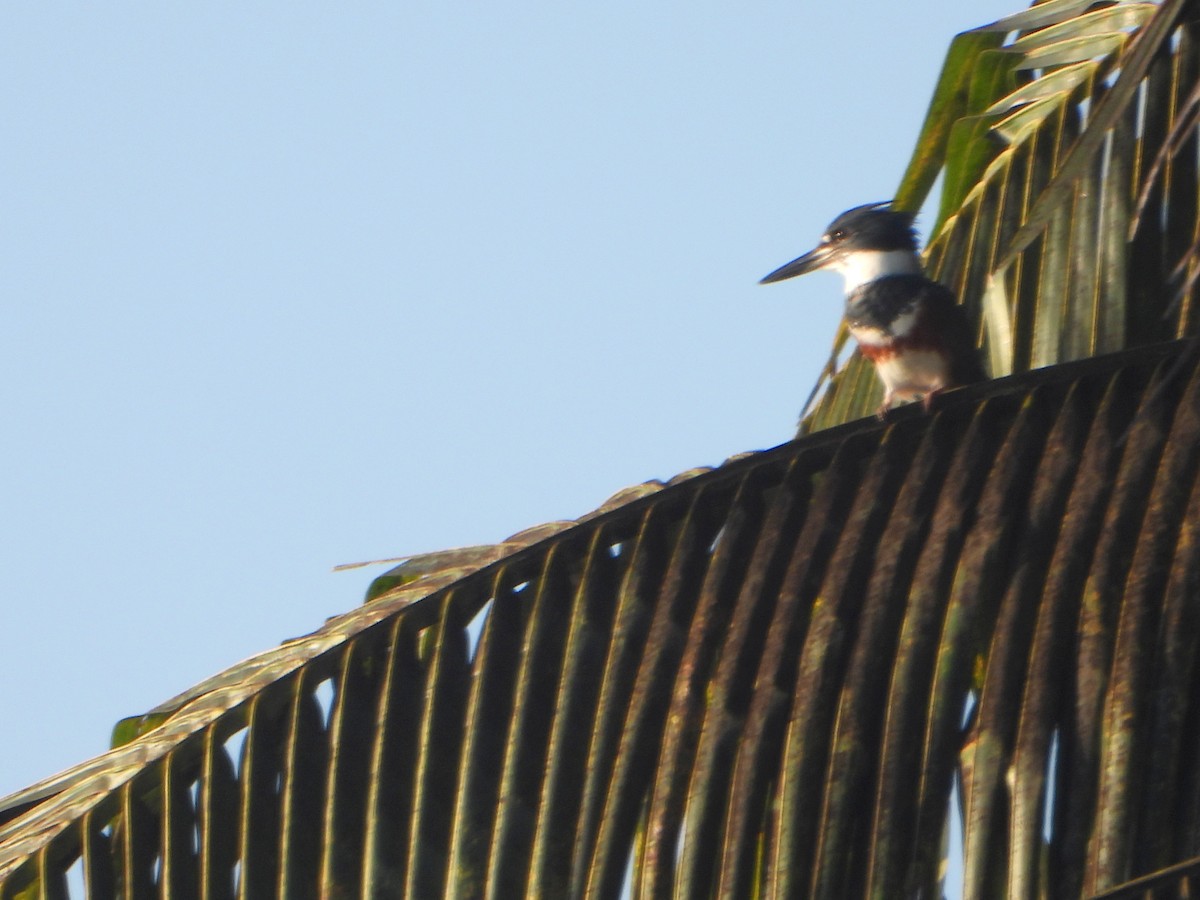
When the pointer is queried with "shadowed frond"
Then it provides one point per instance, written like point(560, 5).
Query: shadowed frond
point(689, 684)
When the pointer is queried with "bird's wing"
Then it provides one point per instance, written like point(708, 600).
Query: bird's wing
point(957, 331)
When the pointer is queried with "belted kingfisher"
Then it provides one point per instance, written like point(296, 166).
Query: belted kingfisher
point(908, 325)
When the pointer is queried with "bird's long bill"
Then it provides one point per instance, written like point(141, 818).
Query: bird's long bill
point(809, 262)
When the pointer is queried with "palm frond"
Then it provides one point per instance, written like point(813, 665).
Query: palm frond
point(689, 683)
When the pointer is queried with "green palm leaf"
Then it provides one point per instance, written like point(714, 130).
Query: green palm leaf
point(1056, 134)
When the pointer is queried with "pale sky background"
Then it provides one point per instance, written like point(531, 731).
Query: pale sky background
point(292, 284)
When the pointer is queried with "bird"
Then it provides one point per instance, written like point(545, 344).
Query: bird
point(910, 326)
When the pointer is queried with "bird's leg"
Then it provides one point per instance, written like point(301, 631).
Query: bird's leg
point(885, 406)
point(927, 400)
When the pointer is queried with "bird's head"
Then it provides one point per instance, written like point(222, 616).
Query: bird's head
point(874, 229)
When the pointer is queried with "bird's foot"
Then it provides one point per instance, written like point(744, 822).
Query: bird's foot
point(927, 400)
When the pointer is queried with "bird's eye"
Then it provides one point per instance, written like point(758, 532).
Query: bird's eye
point(836, 236)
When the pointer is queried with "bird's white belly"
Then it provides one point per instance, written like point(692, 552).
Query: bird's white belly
point(913, 373)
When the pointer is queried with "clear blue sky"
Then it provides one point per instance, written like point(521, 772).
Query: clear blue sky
point(292, 285)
